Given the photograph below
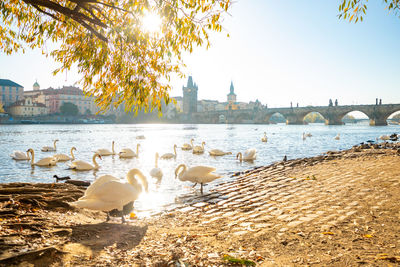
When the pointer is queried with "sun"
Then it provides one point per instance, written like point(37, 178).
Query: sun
point(151, 22)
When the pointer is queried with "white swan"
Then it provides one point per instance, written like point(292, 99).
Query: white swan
point(106, 152)
point(264, 138)
point(19, 155)
point(248, 155)
point(384, 137)
point(128, 153)
point(337, 137)
point(156, 172)
point(188, 146)
point(108, 193)
point(199, 149)
point(218, 152)
point(50, 148)
point(80, 165)
point(304, 136)
point(45, 162)
point(197, 174)
point(169, 155)
point(64, 157)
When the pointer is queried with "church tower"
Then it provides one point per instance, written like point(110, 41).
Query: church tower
point(190, 96)
point(36, 86)
point(231, 96)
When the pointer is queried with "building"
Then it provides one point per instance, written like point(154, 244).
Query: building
point(190, 97)
point(231, 99)
point(27, 108)
point(10, 92)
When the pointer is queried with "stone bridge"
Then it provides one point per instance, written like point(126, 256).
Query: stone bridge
point(333, 115)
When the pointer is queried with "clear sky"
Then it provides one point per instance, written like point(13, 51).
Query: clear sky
point(278, 52)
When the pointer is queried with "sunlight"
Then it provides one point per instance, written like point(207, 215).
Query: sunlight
point(151, 22)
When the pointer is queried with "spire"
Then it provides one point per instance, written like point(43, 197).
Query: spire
point(232, 88)
point(190, 82)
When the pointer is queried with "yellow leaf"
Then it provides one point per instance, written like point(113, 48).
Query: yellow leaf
point(327, 233)
point(132, 215)
point(368, 236)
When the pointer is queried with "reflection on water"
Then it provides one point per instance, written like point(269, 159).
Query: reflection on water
point(282, 140)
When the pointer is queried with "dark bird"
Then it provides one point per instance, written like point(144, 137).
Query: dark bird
point(61, 178)
point(285, 158)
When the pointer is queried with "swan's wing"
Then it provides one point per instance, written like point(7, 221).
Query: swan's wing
point(114, 191)
point(98, 182)
point(250, 153)
point(199, 170)
point(19, 155)
point(79, 164)
point(156, 172)
point(126, 150)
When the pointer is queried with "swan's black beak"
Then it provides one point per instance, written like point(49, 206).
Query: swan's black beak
point(100, 157)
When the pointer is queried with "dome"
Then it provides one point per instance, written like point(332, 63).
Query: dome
point(36, 86)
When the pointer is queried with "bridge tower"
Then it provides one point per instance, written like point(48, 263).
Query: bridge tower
point(190, 96)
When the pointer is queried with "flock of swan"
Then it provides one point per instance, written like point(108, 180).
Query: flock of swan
point(107, 192)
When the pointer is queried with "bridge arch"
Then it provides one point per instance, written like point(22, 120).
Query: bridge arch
point(394, 117)
point(314, 117)
point(354, 116)
point(276, 117)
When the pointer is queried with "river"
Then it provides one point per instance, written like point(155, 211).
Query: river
point(282, 140)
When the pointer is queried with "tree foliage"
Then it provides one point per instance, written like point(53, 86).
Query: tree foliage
point(1, 108)
point(355, 10)
point(68, 108)
point(119, 60)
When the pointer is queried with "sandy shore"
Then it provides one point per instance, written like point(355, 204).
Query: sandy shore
point(338, 209)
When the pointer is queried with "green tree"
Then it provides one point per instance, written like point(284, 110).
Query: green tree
point(68, 108)
point(119, 60)
point(314, 117)
point(355, 10)
point(88, 112)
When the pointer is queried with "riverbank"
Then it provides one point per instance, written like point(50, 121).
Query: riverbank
point(339, 209)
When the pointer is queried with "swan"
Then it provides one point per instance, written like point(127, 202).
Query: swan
point(188, 146)
point(264, 138)
point(64, 157)
point(108, 193)
point(49, 148)
point(337, 137)
point(19, 155)
point(308, 134)
point(106, 152)
point(128, 153)
point(156, 172)
point(304, 136)
point(169, 155)
point(197, 174)
point(140, 137)
point(199, 149)
point(217, 152)
point(248, 155)
point(80, 165)
point(384, 137)
point(45, 162)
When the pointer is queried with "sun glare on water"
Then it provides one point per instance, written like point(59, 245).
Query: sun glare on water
point(151, 22)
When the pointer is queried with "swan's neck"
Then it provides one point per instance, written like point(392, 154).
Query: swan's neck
point(240, 156)
point(202, 145)
point(94, 160)
point(175, 150)
point(131, 177)
point(112, 147)
point(156, 160)
point(72, 154)
point(191, 142)
point(33, 157)
point(137, 150)
point(55, 146)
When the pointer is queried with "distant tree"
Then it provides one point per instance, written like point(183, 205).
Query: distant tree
point(349, 118)
point(120, 61)
point(354, 10)
point(68, 108)
point(88, 112)
point(1, 108)
point(314, 117)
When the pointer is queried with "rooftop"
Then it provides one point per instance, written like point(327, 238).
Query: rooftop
point(5, 82)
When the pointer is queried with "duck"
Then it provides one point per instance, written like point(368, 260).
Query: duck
point(169, 155)
point(128, 153)
point(337, 137)
point(106, 152)
point(64, 157)
point(65, 178)
point(19, 155)
point(308, 135)
point(264, 138)
point(156, 172)
point(80, 165)
point(199, 149)
point(218, 152)
point(248, 155)
point(50, 148)
point(45, 162)
point(188, 146)
point(197, 174)
point(101, 195)
point(384, 137)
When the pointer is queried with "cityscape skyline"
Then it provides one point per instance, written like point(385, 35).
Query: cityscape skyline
point(308, 60)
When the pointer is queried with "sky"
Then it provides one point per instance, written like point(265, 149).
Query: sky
point(278, 52)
